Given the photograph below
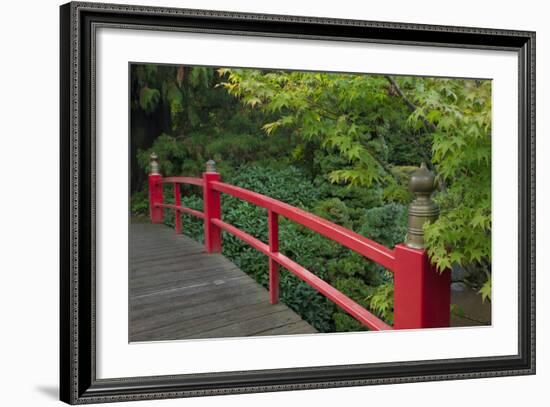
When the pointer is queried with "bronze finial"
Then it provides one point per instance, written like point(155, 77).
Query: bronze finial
point(422, 209)
point(210, 166)
point(154, 165)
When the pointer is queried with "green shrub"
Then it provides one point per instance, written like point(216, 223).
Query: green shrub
point(334, 210)
point(139, 204)
point(386, 224)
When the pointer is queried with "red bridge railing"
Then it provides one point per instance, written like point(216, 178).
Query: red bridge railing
point(421, 294)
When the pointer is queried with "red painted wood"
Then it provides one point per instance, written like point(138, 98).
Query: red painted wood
point(339, 234)
point(245, 237)
point(184, 209)
point(177, 202)
point(273, 222)
point(437, 301)
point(193, 212)
point(422, 296)
point(346, 303)
point(212, 210)
point(156, 212)
point(184, 180)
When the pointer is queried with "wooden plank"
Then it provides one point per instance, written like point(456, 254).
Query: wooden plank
point(298, 327)
point(206, 289)
point(143, 286)
point(251, 327)
point(190, 315)
point(181, 260)
point(143, 251)
point(148, 277)
point(191, 305)
point(173, 300)
point(177, 291)
point(197, 326)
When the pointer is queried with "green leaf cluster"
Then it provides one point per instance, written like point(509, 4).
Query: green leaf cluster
point(461, 153)
point(354, 116)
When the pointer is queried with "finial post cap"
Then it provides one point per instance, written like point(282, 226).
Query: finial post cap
point(154, 164)
point(210, 166)
point(422, 209)
point(422, 181)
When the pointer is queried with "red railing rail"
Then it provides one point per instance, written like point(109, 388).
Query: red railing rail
point(421, 293)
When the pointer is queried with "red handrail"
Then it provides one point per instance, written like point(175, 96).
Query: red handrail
point(346, 303)
point(275, 207)
point(156, 182)
point(183, 209)
point(421, 294)
point(183, 180)
point(339, 234)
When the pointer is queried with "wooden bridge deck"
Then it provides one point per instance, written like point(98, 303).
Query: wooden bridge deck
point(177, 291)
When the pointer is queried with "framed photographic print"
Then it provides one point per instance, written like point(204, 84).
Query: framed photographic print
point(255, 203)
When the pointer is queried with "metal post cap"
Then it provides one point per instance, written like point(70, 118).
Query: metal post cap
point(422, 209)
point(154, 165)
point(210, 166)
point(422, 181)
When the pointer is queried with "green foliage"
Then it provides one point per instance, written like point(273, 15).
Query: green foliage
point(139, 203)
point(367, 283)
point(171, 155)
point(335, 210)
point(461, 113)
point(358, 291)
point(349, 114)
point(234, 147)
point(149, 99)
point(354, 115)
point(200, 121)
point(191, 225)
point(354, 196)
point(168, 88)
point(485, 290)
point(378, 299)
point(381, 301)
point(386, 224)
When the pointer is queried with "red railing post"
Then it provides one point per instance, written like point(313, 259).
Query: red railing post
point(273, 221)
point(212, 209)
point(177, 202)
point(155, 191)
point(422, 294)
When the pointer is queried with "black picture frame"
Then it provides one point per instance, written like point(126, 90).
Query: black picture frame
point(78, 382)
